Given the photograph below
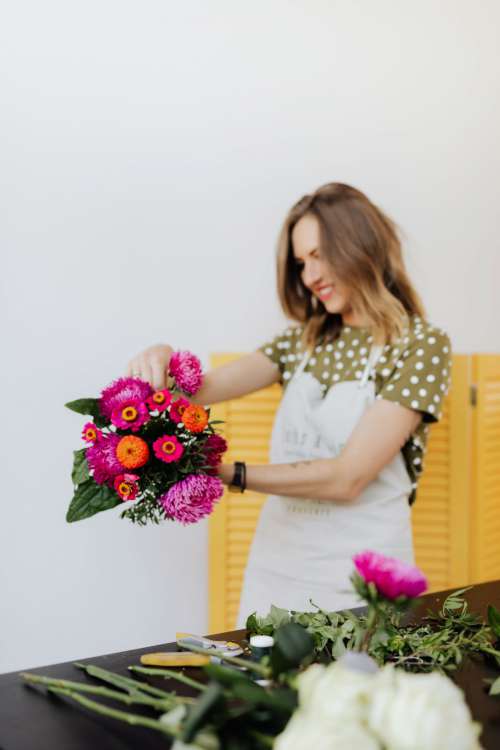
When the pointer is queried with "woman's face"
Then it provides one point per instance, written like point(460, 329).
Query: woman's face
point(315, 271)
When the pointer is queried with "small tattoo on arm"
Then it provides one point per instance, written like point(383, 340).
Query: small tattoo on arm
point(300, 463)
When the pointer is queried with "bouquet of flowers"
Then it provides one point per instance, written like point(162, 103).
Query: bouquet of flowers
point(154, 450)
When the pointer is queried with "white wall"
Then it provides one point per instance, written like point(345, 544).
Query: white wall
point(150, 152)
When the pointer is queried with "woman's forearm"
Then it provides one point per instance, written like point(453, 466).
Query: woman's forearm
point(319, 479)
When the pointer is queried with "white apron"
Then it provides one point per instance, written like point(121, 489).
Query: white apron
point(303, 548)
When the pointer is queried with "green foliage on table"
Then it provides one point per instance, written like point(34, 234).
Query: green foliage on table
point(234, 712)
point(441, 641)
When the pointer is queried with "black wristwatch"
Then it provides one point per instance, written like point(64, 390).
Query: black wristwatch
point(239, 480)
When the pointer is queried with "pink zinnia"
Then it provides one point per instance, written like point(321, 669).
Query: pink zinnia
point(102, 459)
point(192, 498)
point(177, 409)
point(392, 577)
point(130, 415)
point(167, 448)
point(160, 400)
point(126, 486)
point(90, 433)
point(121, 392)
point(185, 368)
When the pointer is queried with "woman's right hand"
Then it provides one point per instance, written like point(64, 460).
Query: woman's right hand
point(151, 365)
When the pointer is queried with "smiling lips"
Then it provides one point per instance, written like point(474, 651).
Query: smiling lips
point(324, 292)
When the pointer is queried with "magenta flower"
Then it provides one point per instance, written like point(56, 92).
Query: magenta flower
point(177, 409)
point(214, 447)
point(102, 459)
point(392, 578)
point(90, 433)
point(167, 448)
point(192, 498)
point(121, 392)
point(186, 370)
point(160, 400)
point(215, 444)
point(130, 415)
point(126, 486)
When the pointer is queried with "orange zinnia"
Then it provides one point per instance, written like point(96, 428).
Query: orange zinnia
point(132, 452)
point(195, 418)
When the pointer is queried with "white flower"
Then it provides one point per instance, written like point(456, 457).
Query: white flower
point(333, 705)
point(305, 732)
point(421, 711)
point(335, 694)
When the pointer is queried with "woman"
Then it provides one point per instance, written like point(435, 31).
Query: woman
point(363, 374)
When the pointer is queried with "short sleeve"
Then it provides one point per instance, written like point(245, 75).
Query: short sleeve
point(282, 351)
point(419, 375)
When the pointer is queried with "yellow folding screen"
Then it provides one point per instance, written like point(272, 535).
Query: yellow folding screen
point(485, 515)
point(456, 519)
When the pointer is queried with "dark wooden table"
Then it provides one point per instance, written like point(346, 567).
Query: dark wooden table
point(31, 719)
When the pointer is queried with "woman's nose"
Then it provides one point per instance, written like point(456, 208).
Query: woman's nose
point(311, 273)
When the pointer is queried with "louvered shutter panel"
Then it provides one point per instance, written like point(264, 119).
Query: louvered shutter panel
point(439, 516)
point(485, 509)
point(248, 424)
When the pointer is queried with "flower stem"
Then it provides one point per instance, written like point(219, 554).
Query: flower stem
point(125, 683)
point(133, 719)
point(371, 624)
point(169, 674)
point(160, 704)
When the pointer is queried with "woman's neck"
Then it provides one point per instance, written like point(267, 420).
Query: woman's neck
point(355, 320)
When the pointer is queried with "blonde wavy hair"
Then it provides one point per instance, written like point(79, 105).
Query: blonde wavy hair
point(363, 248)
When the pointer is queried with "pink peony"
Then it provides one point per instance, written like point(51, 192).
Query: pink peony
point(90, 433)
point(192, 498)
point(177, 409)
point(121, 392)
point(185, 368)
point(167, 448)
point(130, 415)
point(160, 400)
point(102, 459)
point(126, 486)
point(392, 577)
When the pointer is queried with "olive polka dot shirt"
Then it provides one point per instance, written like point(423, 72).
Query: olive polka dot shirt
point(414, 371)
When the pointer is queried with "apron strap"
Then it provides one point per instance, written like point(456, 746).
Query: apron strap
point(373, 358)
point(302, 364)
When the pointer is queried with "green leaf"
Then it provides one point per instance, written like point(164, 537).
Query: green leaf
point(278, 617)
point(91, 498)
point(292, 644)
point(84, 406)
point(495, 688)
point(80, 467)
point(205, 704)
point(225, 675)
point(88, 406)
point(282, 700)
point(494, 619)
point(338, 649)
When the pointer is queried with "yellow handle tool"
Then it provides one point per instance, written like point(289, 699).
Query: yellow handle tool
point(175, 659)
